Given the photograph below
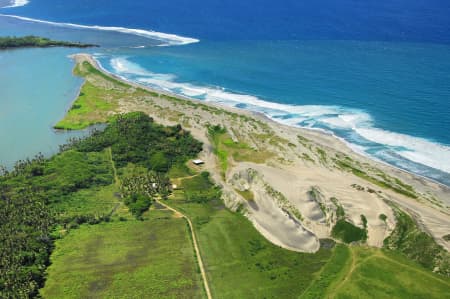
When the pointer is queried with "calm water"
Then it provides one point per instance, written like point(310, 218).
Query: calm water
point(30, 103)
point(374, 74)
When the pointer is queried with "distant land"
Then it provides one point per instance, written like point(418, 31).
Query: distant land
point(32, 41)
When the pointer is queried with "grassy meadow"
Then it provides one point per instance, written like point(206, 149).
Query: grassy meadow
point(126, 259)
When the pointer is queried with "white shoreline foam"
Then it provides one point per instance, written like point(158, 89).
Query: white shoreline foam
point(17, 3)
point(414, 149)
point(169, 39)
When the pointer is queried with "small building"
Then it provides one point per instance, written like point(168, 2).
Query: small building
point(198, 162)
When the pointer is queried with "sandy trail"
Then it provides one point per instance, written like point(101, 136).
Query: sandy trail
point(196, 248)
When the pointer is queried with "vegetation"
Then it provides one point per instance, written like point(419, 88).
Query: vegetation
point(30, 206)
point(340, 212)
point(225, 148)
point(384, 181)
point(315, 195)
point(283, 202)
point(180, 170)
point(135, 138)
point(246, 194)
point(82, 204)
point(347, 232)
point(330, 273)
point(200, 189)
point(236, 254)
point(322, 155)
point(37, 42)
point(375, 273)
point(364, 221)
point(43, 199)
point(25, 243)
point(98, 99)
point(417, 245)
point(132, 259)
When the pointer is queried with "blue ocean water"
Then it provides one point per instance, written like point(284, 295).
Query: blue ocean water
point(375, 73)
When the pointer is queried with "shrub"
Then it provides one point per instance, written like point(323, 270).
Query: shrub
point(347, 232)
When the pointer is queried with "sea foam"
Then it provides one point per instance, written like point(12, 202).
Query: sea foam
point(166, 38)
point(16, 3)
point(357, 125)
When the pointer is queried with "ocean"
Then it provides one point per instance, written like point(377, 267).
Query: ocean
point(376, 75)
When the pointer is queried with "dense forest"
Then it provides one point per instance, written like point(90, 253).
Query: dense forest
point(34, 194)
point(38, 42)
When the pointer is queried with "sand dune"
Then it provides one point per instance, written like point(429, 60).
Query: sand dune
point(298, 160)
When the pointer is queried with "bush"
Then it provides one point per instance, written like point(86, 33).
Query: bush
point(138, 204)
point(347, 232)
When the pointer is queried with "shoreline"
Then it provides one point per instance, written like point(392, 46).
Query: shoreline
point(288, 161)
point(266, 118)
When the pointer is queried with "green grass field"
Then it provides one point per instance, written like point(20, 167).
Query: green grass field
point(98, 99)
point(337, 266)
point(362, 272)
point(376, 273)
point(239, 261)
point(130, 259)
point(99, 201)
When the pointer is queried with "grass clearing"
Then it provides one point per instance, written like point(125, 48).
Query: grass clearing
point(126, 259)
point(180, 170)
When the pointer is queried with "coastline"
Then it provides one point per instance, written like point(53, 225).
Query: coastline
point(286, 171)
point(266, 118)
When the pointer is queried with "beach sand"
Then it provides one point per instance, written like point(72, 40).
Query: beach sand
point(298, 162)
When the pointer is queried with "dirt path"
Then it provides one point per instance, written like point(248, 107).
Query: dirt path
point(196, 248)
point(349, 272)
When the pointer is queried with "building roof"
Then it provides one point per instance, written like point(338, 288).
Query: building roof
point(198, 161)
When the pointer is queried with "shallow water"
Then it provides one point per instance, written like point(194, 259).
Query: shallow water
point(36, 89)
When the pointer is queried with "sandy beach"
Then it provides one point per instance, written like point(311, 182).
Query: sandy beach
point(296, 177)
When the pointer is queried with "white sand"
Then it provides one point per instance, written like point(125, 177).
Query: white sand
point(293, 176)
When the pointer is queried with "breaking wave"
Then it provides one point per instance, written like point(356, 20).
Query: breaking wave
point(166, 38)
point(354, 126)
point(16, 3)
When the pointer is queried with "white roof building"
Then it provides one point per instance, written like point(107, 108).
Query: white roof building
point(198, 162)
